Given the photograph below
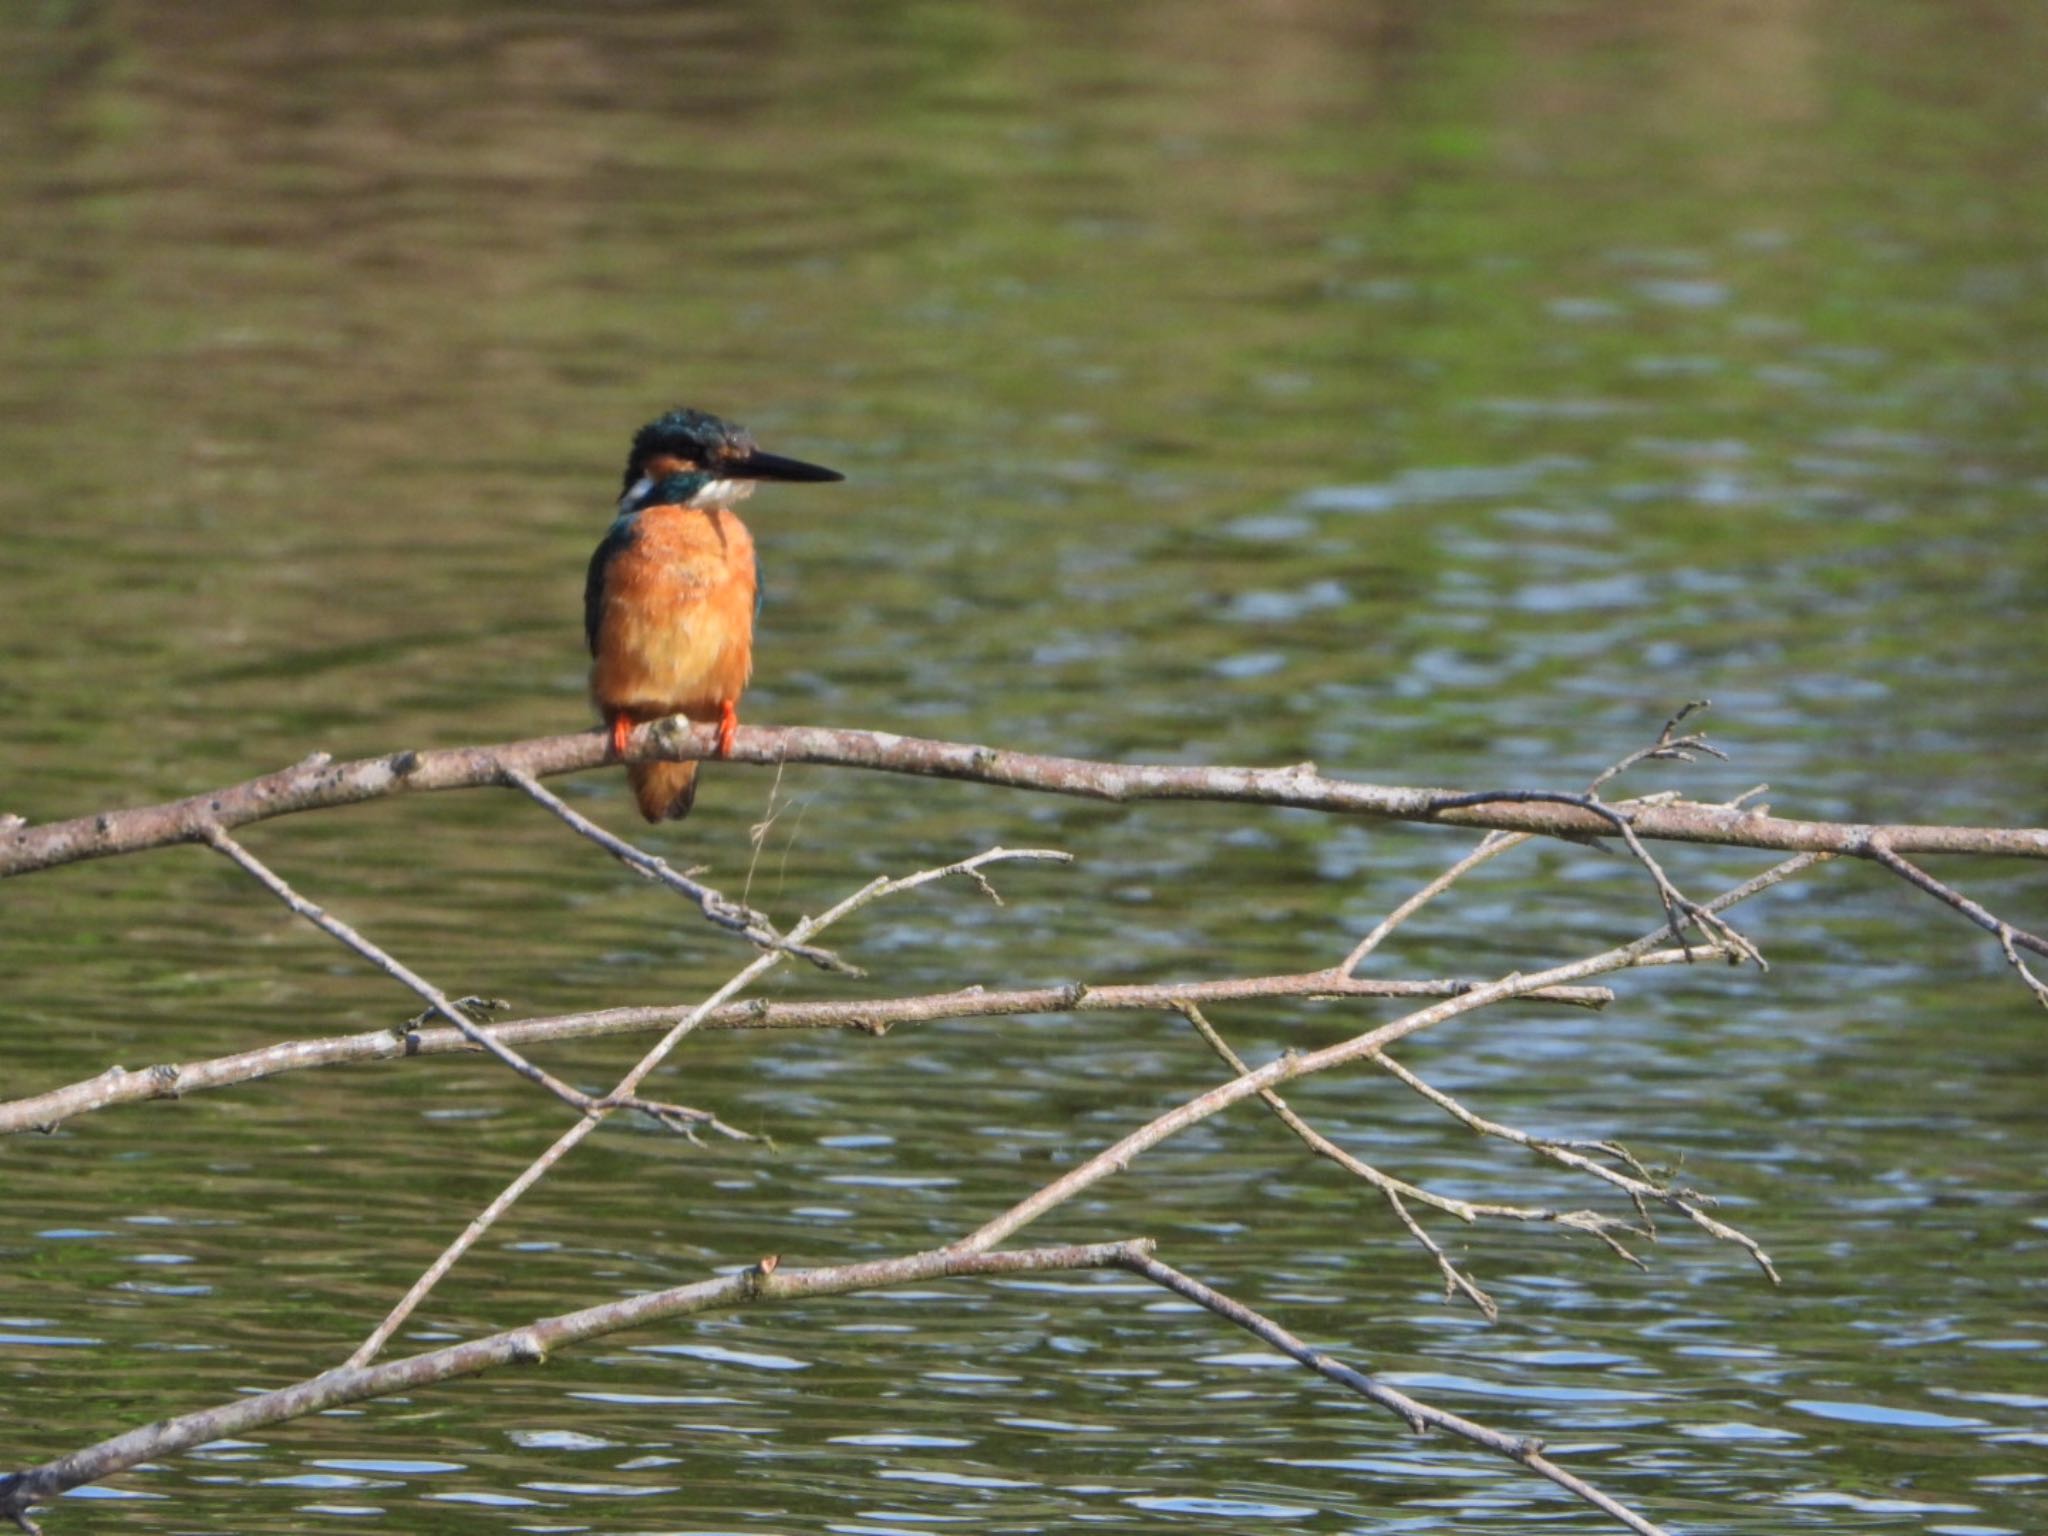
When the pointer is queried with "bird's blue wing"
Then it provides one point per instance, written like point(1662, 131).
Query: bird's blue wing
point(616, 541)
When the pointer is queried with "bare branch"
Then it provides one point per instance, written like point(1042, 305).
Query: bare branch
point(317, 784)
point(1419, 1416)
point(628, 1087)
point(1679, 909)
point(1115, 1158)
point(765, 1281)
point(172, 1080)
point(1667, 747)
point(1399, 1192)
point(439, 1001)
point(721, 909)
point(529, 1345)
point(1491, 846)
point(680, 1118)
point(1636, 1183)
point(1396, 1192)
point(2011, 940)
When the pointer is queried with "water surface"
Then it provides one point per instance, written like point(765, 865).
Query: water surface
point(1438, 393)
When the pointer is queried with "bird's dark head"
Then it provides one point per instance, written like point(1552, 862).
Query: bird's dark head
point(692, 458)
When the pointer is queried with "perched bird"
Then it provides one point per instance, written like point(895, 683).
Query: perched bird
point(669, 604)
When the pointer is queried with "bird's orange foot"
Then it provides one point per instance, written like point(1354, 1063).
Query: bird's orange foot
point(621, 729)
point(728, 722)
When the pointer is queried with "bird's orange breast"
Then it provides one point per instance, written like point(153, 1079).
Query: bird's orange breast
point(675, 633)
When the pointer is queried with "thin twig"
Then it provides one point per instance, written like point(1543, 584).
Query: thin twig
point(1492, 846)
point(1399, 1192)
point(1117, 1157)
point(677, 1117)
point(1419, 1416)
point(2011, 940)
point(1396, 1192)
point(1666, 746)
point(1679, 908)
point(1678, 905)
point(757, 833)
point(628, 1087)
point(721, 909)
point(439, 1001)
point(1637, 1183)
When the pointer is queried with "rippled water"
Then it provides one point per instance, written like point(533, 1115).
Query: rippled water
point(1438, 393)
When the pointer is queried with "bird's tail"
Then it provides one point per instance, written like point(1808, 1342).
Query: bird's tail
point(665, 790)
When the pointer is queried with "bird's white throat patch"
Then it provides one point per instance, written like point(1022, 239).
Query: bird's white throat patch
point(715, 493)
point(722, 493)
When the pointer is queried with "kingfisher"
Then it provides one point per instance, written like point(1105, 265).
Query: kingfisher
point(670, 599)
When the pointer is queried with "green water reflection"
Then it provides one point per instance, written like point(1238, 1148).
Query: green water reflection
point(1437, 392)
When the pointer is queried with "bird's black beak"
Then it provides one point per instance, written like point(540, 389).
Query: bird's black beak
point(773, 466)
